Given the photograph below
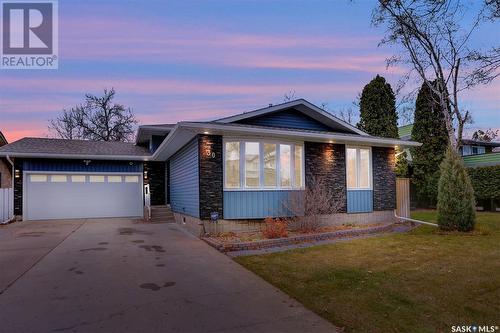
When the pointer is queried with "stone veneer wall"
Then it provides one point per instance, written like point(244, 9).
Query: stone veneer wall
point(327, 162)
point(210, 175)
point(156, 181)
point(384, 178)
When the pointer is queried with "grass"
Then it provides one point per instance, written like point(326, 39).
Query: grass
point(421, 281)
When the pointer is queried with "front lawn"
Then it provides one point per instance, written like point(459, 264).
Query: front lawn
point(421, 281)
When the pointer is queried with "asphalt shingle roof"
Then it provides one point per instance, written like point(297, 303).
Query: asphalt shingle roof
point(73, 147)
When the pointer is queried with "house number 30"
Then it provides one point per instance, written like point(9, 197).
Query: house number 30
point(209, 153)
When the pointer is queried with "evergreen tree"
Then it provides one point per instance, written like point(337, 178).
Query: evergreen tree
point(378, 109)
point(456, 203)
point(429, 128)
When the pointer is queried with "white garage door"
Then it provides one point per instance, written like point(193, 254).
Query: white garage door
point(64, 196)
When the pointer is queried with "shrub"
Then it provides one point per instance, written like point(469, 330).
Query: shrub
point(486, 181)
point(456, 203)
point(309, 205)
point(274, 228)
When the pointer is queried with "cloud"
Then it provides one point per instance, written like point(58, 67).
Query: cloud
point(103, 39)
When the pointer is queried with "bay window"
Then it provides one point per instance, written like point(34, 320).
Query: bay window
point(252, 161)
point(358, 164)
point(263, 164)
point(285, 166)
point(270, 171)
point(232, 164)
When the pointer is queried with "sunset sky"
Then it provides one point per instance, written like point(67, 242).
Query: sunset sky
point(200, 60)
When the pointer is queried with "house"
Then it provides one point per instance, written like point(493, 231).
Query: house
point(474, 153)
point(236, 169)
point(5, 167)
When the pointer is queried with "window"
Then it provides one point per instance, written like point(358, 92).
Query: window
point(358, 163)
point(252, 161)
point(131, 179)
point(58, 178)
point(96, 179)
point(270, 165)
point(232, 164)
point(285, 166)
point(298, 166)
point(114, 179)
point(78, 178)
point(262, 164)
point(38, 178)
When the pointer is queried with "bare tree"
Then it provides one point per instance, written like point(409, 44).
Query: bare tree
point(308, 206)
point(349, 115)
point(289, 96)
point(437, 48)
point(98, 119)
point(486, 136)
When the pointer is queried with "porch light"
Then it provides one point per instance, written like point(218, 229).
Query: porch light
point(145, 175)
point(17, 173)
point(206, 132)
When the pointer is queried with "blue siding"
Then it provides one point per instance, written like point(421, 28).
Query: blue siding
point(155, 142)
point(255, 204)
point(79, 166)
point(290, 118)
point(184, 180)
point(359, 201)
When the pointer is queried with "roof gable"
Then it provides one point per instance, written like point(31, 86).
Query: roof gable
point(288, 118)
point(292, 114)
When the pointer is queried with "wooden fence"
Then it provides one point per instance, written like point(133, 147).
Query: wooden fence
point(6, 204)
point(403, 197)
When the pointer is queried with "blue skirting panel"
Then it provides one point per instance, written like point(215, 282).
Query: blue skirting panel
point(255, 204)
point(359, 201)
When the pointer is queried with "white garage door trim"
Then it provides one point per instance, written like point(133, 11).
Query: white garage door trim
point(27, 174)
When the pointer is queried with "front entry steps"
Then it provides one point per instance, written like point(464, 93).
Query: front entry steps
point(161, 214)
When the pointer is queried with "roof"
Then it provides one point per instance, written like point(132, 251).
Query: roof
point(481, 143)
point(3, 140)
point(300, 105)
point(186, 131)
point(62, 148)
point(404, 132)
point(482, 160)
point(144, 132)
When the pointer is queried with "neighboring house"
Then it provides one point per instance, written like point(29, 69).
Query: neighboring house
point(5, 167)
point(475, 154)
point(238, 168)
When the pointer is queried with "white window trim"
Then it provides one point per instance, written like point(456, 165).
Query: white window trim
point(242, 161)
point(370, 167)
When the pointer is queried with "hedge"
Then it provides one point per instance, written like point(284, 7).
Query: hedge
point(486, 181)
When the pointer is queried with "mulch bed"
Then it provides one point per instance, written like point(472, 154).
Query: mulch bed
point(253, 241)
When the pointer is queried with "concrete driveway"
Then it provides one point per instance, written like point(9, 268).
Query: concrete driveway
point(120, 275)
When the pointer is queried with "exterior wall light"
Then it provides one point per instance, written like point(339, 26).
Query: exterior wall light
point(17, 173)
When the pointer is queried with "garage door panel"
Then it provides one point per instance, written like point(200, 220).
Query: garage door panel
point(77, 199)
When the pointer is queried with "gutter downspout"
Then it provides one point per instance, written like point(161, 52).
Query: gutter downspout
point(413, 220)
point(12, 175)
